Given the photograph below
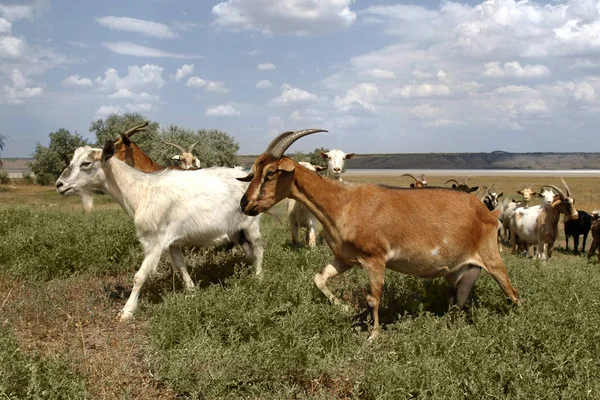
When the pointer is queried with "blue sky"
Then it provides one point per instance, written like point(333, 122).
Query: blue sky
point(381, 76)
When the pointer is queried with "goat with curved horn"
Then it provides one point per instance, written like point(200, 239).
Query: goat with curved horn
point(369, 226)
point(178, 147)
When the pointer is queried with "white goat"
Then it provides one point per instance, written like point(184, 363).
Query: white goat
point(539, 224)
point(185, 159)
point(335, 163)
point(169, 208)
point(300, 217)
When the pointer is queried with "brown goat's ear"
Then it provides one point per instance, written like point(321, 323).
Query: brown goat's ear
point(519, 192)
point(319, 168)
point(349, 156)
point(286, 165)
point(324, 155)
point(473, 189)
point(108, 151)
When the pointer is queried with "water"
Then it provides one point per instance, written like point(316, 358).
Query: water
point(475, 172)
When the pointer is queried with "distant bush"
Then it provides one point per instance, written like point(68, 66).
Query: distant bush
point(45, 179)
point(27, 178)
point(32, 377)
point(4, 179)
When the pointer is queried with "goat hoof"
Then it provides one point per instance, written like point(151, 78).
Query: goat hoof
point(373, 336)
point(125, 316)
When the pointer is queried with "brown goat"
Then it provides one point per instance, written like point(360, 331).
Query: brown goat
point(129, 152)
point(375, 227)
point(418, 183)
point(462, 186)
point(595, 235)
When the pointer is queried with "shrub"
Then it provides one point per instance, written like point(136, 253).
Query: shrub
point(27, 178)
point(4, 179)
point(45, 179)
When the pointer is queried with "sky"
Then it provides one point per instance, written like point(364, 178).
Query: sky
point(382, 76)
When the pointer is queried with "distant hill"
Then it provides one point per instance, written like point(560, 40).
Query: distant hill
point(493, 160)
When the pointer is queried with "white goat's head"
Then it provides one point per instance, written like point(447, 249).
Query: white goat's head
point(335, 162)
point(185, 159)
point(83, 175)
point(547, 196)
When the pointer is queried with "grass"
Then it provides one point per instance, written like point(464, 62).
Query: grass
point(64, 277)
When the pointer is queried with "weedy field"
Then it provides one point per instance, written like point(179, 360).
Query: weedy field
point(64, 277)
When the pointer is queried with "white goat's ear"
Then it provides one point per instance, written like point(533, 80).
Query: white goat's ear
point(176, 157)
point(197, 162)
point(349, 156)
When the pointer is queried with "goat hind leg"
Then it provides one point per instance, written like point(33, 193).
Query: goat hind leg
point(179, 263)
point(497, 270)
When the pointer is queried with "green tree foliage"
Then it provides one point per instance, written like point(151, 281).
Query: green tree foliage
point(115, 124)
point(214, 148)
point(49, 162)
point(315, 157)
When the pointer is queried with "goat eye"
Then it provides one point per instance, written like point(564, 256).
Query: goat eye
point(85, 164)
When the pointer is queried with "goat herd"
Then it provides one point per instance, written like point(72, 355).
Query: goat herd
point(367, 225)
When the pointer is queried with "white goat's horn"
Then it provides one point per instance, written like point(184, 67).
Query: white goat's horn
point(281, 143)
point(191, 146)
point(178, 147)
point(560, 192)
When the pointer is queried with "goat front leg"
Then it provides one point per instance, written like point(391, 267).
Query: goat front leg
point(311, 238)
point(148, 266)
point(179, 263)
point(335, 268)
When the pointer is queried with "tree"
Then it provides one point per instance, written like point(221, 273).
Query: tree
point(49, 162)
point(115, 124)
point(315, 157)
point(2, 141)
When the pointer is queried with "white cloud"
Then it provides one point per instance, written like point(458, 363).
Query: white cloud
point(185, 70)
point(424, 90)
point(379, 74)
point(19, 92)
point(363, 95)
point(222, 111)
point(13, 13)
point(290, 17)
point(148, 28)
point(133, 49)
point(265, 83)
point(252, 53)
point(146, 77)
point(75, 80)
point(105, 111)
point(291, 95)
point(5, 26)
point(194, 81)
point(217, 87)
point(515, 70)
point(128, 94)
point(424, 111)
point(11, 47)
point(266, 67)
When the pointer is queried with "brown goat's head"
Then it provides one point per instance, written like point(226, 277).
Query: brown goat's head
point(527, 194)
point(418, 183)
point(127, 151)
point(461, 186)
point(272, 174)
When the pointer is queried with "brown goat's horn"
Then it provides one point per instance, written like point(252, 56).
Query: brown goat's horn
point(281, 143)
point(560, 192)
point(423, 178)
point(191, 146)
point(566, 187)
point(416, 180)
point(136, 129)
point(181, 149)
point(451, 180)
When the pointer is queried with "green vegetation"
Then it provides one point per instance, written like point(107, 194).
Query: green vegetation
point(31, 377)
point(64, 276)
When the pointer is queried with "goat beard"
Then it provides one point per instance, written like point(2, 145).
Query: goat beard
point(88, 202)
